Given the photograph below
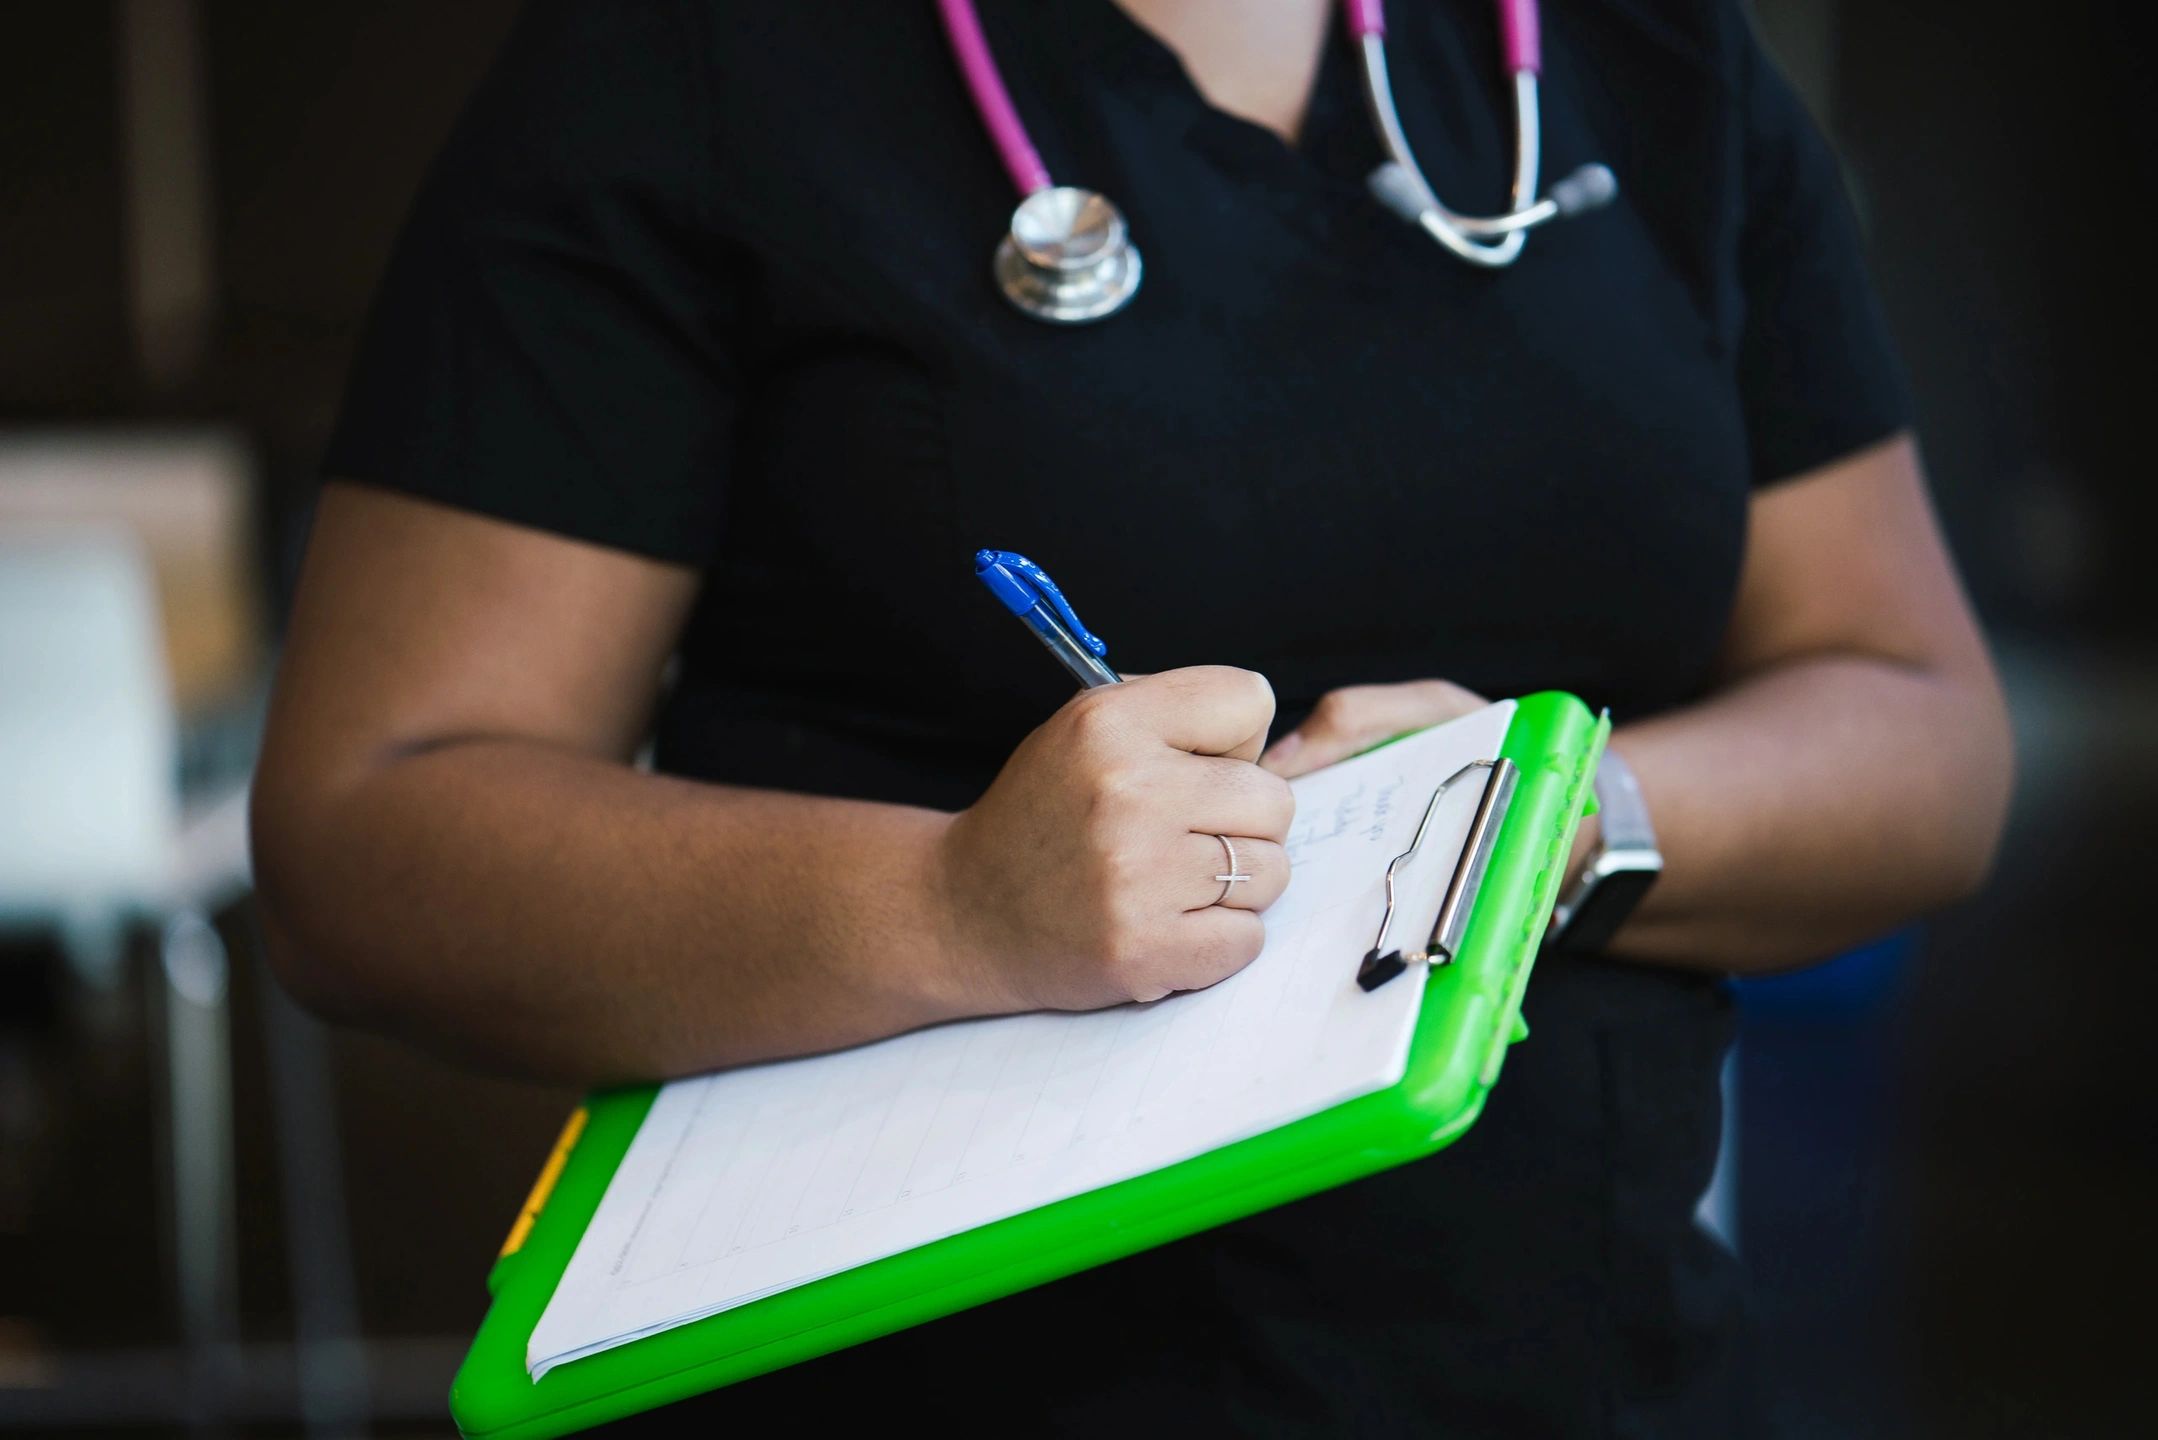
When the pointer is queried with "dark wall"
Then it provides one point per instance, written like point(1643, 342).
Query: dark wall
point(324, 116)
point(63, 339)
point(321, 118)
point(2001, 149)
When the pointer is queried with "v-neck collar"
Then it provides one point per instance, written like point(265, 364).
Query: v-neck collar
point(1104, 36)
point(1315, 188)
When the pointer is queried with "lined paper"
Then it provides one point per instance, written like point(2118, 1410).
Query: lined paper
point(747, 1182)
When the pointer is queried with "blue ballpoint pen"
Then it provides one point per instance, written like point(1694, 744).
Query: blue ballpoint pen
point(1026, 590)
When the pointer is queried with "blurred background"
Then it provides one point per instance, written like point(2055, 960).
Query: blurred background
point(216, 1216)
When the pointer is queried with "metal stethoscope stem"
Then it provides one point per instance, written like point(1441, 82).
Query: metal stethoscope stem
point(1068, 256)
point(1465, 235)
point(1487, 240)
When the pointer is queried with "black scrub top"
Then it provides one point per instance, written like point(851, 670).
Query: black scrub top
point(710, 282)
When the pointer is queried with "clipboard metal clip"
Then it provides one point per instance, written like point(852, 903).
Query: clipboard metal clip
point(1380, 964)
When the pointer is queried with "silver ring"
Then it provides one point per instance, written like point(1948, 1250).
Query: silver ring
point(1234, 877)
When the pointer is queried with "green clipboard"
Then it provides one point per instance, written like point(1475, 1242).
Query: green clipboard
point(1471, 1013)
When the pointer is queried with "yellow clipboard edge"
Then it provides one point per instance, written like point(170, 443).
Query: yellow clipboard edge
point(536, 1201)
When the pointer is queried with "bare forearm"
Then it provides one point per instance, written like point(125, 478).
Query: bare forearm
point(1815, 804)
point(567, 916)
point(450, 843)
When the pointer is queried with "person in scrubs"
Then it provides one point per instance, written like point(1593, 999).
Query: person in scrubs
point(687, 398)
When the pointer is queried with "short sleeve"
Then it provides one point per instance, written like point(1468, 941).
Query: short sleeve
point(549, 342)
point(1818, 373)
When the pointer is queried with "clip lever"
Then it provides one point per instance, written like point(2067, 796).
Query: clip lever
point(1447, 931)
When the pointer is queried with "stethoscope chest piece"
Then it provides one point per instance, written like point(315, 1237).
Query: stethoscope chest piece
point(1068, 258)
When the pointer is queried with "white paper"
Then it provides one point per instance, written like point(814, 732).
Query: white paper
point(751, 1181)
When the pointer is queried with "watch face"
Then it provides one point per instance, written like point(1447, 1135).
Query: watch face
point(1610, 900)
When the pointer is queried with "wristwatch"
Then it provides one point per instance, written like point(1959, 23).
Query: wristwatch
point(1624, 864)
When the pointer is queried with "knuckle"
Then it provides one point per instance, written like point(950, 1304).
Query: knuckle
point(1127, 960)
point(1093, 715)
point(1334, 710)
point(1123, 870)
point(1243, 936)
point(1446, 695)
point(1119, 791)
point(1272, 804)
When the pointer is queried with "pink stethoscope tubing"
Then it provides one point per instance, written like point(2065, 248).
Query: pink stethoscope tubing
point(963, 27)
point(1520, 37)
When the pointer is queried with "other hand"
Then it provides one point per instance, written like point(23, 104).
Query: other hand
point(1357, 717)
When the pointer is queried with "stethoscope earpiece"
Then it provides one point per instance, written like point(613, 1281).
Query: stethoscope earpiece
point(1068, 257)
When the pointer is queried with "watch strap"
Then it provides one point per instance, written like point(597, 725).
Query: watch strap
point(1624, 864)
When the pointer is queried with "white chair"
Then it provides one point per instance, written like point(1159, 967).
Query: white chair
point(88, 750)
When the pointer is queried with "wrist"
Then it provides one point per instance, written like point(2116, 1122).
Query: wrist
point(1615, 862)
point(962, 968)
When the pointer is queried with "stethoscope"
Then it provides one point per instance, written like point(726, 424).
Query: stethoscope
point(1069, 258)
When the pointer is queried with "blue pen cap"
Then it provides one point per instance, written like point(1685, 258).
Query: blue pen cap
point(1015, 594)
point(1020, 585)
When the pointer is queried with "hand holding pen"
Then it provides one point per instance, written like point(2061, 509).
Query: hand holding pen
point(1097, 868)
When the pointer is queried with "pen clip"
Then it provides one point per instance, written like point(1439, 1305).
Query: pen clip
point(1021, 585)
